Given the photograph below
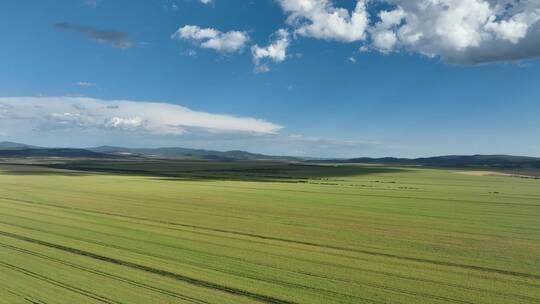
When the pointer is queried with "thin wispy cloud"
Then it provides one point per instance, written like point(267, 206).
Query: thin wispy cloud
point(88, 121)
point(86, 84)
point(46, 114)
point(114, 38)
point(292, 144)
point(92, 3)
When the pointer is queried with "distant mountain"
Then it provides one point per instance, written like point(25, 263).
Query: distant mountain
point(52, 152)
point(5, 145)
point(12, 150)
point(188, 153)
point(454, 161)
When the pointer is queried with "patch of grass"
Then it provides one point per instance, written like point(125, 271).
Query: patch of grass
point(265, 232)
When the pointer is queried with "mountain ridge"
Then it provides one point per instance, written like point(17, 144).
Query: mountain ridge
point(180, 152)
point(13, 149)
point(452, 161)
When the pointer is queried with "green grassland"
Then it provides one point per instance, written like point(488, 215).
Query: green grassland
point(154, 231)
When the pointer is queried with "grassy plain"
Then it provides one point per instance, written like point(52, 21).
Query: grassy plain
point(265, 232)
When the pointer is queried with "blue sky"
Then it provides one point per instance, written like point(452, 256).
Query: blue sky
point(332, 88)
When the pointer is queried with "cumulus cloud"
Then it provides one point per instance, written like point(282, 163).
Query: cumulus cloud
point(321, 19)
point(471, 31)
point(45, 114)
point(223, 42)
point(206, 1)
point(383, 33)
point(276, 51)
point(114, 38)
point(458, 31)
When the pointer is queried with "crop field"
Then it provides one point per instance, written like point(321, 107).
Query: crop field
point(157, 231)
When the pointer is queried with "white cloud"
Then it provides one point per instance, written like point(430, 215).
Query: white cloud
point(45, 114)
point(84, 122)
point(190, 53)
point(129, 123)
point(384, 40)
point(86, 84)
point(391, 18)
point(300, 145)
point(469, 31)
point(382, 34)
point(174, 6)
point(458, 31)
point(206, 1)
point(224, 42)
point(321, 19)
point(275, 51)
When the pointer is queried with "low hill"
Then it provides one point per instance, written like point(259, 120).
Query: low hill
point(188, 153)
point(8, 145)
point(12, 149)
point(50, 152)
point(454, 161)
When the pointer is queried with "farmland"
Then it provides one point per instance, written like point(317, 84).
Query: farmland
point(152, 231)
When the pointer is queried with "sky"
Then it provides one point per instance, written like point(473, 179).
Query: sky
point(319, 78)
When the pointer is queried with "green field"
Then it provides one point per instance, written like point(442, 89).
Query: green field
point(265, 232)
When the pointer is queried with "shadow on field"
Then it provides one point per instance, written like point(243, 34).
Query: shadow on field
point(25, 169)
point(326, 174)
point(175, 170)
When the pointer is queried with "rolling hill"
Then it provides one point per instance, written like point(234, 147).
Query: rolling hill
point(12, 150)
point(172, 152)
point(8, 145)
point(453, 161)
